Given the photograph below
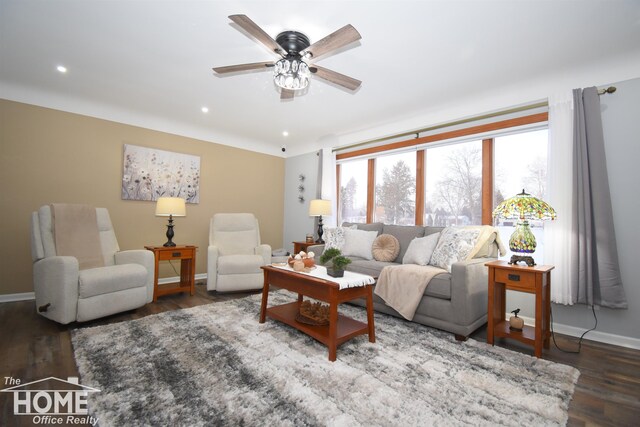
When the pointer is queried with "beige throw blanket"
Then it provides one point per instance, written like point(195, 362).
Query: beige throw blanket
point(402, 286)
point(486, 235)
point(75, 231)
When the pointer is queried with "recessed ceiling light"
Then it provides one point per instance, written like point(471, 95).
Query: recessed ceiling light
point(61, 68)
point(285, 133)
point(205, 109)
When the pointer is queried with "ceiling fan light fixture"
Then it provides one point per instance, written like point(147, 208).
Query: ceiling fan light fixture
point(291, 73)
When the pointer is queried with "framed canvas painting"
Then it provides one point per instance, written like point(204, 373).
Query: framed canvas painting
point(148, 174)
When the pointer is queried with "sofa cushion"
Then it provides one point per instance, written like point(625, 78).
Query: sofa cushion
point(113, 278)
point(439, 286)
point(374, 226)
point(359, 243)
point(385, 248)
point(371, 268)
point(420, 250)
point(405, 234)
point(454, 245)
point(431, 230)
point(334, 237)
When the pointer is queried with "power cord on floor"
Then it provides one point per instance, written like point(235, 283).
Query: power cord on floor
point(553, 335)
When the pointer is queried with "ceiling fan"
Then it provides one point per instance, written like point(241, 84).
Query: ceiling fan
point(292, 71)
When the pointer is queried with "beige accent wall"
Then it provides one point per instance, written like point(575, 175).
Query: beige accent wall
point(51, 156)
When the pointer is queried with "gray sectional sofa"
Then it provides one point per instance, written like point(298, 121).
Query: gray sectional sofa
point(455, 302)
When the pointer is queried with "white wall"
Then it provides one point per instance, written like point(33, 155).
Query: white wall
point(297, 222)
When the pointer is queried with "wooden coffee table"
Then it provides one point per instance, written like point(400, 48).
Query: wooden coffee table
point(340, 328)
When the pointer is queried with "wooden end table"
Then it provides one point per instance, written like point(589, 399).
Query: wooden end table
point(187, 256)
point(340, 328)
point(302, 246)
point(535, 280)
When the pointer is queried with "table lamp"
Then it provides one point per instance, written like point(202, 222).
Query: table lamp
point(319, 207)
point(523, 207)
point(170, 206)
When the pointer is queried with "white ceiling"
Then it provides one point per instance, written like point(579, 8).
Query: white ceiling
point(148, 63)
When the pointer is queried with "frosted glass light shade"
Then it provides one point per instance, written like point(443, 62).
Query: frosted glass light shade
point(320, 207)
point(171, 206)
point(291, 73)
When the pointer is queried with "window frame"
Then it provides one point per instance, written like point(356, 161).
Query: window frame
point(371, 153)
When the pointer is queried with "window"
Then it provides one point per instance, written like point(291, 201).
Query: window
point(520, 163)
point(396, 189)
point(440, 182)
point(353, 192)
point(453, 184)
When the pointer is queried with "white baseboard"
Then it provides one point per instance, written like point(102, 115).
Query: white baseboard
point(165, 280)
point(603, 337)
point(27, 296)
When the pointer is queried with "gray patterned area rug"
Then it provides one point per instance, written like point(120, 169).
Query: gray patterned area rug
point(216, 365)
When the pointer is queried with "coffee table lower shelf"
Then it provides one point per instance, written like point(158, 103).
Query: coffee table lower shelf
point(347, 327)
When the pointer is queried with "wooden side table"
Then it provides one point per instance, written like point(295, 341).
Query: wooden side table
point(535, 280)
point(301, 246)
point(187, 256)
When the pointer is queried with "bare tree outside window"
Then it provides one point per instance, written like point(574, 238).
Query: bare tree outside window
point(454, 185)
point(536, 179)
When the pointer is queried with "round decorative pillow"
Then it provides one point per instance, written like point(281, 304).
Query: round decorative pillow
point(385, 248)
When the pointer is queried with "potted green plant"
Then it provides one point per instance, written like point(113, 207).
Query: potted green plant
point(335, 262)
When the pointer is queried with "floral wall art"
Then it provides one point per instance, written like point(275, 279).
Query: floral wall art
point(148, 174)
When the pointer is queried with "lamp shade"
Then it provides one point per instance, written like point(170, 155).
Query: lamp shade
point(319, 207)
point(171, 206)
point(524, 206)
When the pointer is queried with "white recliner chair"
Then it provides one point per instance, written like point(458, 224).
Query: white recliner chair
point(235, 254)
point(64, 293)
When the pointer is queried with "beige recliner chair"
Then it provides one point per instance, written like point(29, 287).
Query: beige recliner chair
point(235, 253)
point(66, 293)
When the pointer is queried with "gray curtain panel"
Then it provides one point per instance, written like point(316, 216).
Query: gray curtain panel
point(594, 253)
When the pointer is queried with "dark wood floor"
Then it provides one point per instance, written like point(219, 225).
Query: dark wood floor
point(32, 347)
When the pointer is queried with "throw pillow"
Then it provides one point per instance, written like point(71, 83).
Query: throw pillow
point(454, 245)
point(420, 249)
point(334, 237)
point(385, 248)
point(359, 243)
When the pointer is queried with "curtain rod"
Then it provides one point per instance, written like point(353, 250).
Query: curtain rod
point(610, 89)
point(445, 125)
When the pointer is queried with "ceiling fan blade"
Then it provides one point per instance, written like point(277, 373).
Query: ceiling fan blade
point(243, 67)
point(286, 94)
point(335, 77)
point(258, 33)
point(333, 41)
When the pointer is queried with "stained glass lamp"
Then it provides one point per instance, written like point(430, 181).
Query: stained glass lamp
point(523, 207)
